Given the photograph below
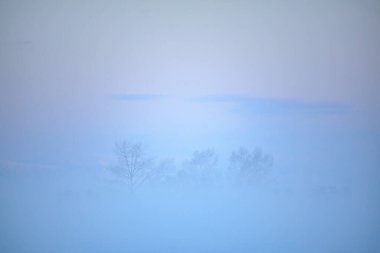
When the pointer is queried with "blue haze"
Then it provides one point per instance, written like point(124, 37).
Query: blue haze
point(297, 79)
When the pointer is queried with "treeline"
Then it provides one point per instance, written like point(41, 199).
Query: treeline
point(137, 168)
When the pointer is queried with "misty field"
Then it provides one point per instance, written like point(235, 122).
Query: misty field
point(189, 126)
point(53, 214)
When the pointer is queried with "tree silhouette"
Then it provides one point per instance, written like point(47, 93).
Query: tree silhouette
point(200, 168)
point(133, 164)
point(249, 166)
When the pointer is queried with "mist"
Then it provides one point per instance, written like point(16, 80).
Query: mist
point(189, 126)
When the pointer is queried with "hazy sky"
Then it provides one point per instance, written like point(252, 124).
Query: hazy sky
point(299, 78)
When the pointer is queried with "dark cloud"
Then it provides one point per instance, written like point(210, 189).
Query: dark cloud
point(274, 106)
point(139, 97)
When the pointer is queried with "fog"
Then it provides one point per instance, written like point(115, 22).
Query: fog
point(189, 126)
point(182, 208)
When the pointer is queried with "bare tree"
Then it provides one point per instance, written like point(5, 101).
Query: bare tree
point(249, 166)
point(133, 164)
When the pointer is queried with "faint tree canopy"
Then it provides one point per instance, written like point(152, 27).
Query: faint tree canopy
point(137, 168)
point(249, 166)
point(133, 164)
point(201, 167)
